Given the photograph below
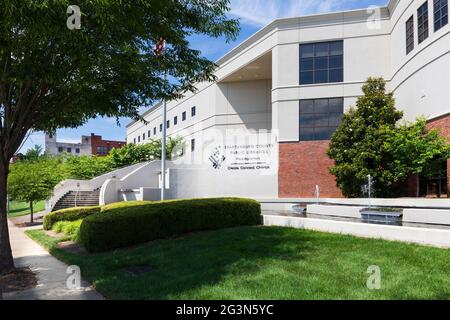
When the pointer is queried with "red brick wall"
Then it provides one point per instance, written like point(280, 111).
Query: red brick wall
point(97, 141)
point(443, 124)
point(303, 165)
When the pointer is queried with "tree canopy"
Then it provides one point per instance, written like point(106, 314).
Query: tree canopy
point(32, 181)
point(52, 76)
point(370, 140)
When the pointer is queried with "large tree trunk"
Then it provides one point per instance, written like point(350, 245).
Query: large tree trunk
point(6, 258)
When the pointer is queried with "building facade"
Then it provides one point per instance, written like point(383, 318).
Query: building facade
point(293, 80)
point(89, 145)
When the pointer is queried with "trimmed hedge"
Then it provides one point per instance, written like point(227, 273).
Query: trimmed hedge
point(128, 204)
point(72, 214)
point(125, 226)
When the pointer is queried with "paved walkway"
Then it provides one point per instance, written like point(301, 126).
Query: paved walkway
point(51, 273)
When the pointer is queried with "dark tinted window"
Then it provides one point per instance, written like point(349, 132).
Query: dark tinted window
point(320, 118)
point(440, 14)
point(422, 22)
point(409, 35)
point(322, 62)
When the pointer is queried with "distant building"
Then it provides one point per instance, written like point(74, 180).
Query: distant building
point(89, 145)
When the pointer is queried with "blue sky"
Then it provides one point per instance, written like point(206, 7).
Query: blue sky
point(253, 15)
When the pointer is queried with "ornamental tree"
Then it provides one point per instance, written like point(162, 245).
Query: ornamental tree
point(52, 76)
point(370, 141)
point(32, 181)
point(417, 150)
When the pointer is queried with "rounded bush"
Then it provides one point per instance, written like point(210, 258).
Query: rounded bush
point(72, 214)
point(125, 226)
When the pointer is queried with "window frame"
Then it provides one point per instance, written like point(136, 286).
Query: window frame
point(440, 7)
point(312, 120)
point(193, 111)
point(423, 31)
point(321, 62)
point(410, 40)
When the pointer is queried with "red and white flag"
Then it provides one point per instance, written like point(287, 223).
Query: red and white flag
point(160, 47)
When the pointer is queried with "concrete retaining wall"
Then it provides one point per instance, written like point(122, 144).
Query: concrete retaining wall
point(427, 216)
point(336, 211)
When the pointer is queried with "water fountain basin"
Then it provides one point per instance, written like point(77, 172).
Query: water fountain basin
point(382, 216)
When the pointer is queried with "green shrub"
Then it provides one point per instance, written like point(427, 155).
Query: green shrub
point(70, 229)
point(127, 225)
point(72, 214)
point(119, 205)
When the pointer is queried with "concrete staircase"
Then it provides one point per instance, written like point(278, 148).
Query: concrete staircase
point(78, 199)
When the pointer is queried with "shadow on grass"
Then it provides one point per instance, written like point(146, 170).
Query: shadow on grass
point(264, 263)
point(182, 266)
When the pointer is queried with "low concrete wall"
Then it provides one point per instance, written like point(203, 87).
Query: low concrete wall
point(432, 237)
point(151, 194)
point(428, 216)
point(335, 211)
point(401, 202)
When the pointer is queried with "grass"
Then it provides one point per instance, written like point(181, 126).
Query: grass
point(18, 209)
point(265, 263)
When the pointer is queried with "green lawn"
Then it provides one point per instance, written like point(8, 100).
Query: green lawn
point(265, 263)
point(18, 209)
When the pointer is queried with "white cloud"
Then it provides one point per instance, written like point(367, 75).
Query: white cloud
point(262, 12)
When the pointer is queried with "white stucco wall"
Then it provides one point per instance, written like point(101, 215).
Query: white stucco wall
point(371, 48)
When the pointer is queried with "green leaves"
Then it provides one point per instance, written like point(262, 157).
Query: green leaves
point(33, 181)
point(108, 67)
point(370, 141)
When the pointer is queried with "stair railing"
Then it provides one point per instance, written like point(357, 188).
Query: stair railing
point(76, 194)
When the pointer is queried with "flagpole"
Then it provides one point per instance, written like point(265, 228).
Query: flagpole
point(163, 147)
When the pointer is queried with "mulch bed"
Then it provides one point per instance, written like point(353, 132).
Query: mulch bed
point(18, 280)
point(24, 221)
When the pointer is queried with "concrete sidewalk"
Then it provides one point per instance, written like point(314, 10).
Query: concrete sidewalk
point(51, 273)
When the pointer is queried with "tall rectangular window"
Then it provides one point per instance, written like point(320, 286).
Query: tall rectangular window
point(410, 35)
point(154, 131)
point(175, 120)
point(149, 133)
point(192, 145)
point(168, 124)
point(193, 111)
point(320, 118)
point(440, 14)
point(143, 136)
point(160, 128)
point(322, 62)
point(183, 116)
point(422, 22)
